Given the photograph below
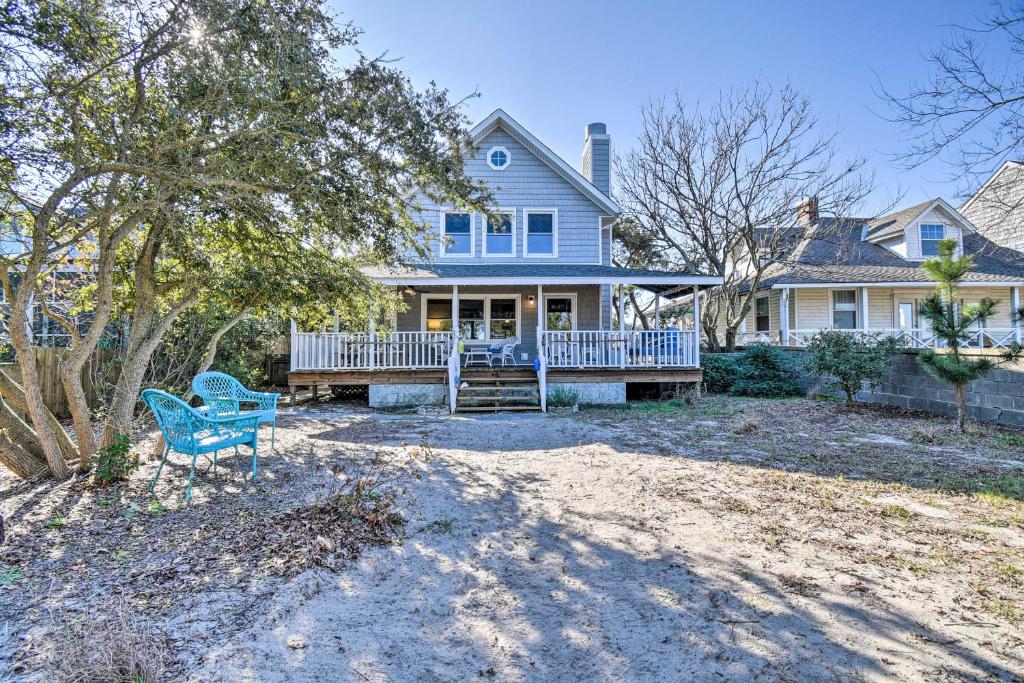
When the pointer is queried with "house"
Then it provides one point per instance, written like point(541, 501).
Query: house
point(997, 209)
point(533, 281)
point(864, 275)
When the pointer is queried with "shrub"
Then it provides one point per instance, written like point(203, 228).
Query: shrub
point(719, 372)
point(561, 397)
point(767, 372)
point(849, 361)
point(115, 462)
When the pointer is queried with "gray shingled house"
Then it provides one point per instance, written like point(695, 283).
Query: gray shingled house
point(513, 303)
point(865, 276)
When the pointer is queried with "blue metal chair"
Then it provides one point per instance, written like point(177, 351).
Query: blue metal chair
point(191, 432)
point(222, 394)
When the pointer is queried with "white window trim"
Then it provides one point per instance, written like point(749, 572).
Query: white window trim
point(508, 157)
point(543, 311)
point(483, 234)
point(920, 238)
point(858, 323)
point(487, 314)
point(472, 234)
point(768, 297)
point(554, 233)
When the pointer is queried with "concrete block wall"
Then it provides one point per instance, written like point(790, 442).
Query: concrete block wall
point(406, 395)
point(998, 397)
point(594, 393)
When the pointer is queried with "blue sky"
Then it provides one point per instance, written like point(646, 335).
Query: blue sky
point(556, 65)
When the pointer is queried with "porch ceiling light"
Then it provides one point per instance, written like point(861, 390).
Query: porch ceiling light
point(411, 291)
point(531, 299)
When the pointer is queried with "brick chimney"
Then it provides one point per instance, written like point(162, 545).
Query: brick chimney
point(597, 157)
point(807, 212)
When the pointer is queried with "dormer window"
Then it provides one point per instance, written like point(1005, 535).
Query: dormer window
point(930, 237)
point(498, 158)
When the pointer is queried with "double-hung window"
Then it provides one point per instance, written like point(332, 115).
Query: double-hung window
point(541, 232)
point(762, 314)
point(456, 234)
point(481, 318)
point(500, 237)
point(930, 236)
point(844, 309)
point(471, 319)
point(503, 319)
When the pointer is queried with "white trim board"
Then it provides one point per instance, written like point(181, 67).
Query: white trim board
point(925, 285)
point(556, 280)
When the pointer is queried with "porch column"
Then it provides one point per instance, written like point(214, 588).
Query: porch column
point(373, 337)
point(622, 308)
point(657, 311)
point(455, 312)
point(784, 316)
point(1018, 323)
point(540, 316)
point(863, 308)
point(337, 323)
point(696, 325)
point(293, 348)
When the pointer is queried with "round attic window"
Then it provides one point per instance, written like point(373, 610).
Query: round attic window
point(498, 158)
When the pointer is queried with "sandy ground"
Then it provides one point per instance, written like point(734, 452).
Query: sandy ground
point(730, 542)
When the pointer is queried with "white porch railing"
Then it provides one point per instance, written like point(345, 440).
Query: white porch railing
point(919, 338)
point(361, 351)
point(765, 337)
point(620, 349)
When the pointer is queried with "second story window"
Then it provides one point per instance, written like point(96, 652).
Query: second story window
point(499, 237)
point(498, 158)
point(930, 236)
point(541, 233)
point(456, 234)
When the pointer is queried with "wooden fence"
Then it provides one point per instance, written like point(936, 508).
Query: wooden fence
point(98, 369)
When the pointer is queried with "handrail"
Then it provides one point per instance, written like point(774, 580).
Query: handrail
point(453, 375)
point(361, 351)
point(621, 349)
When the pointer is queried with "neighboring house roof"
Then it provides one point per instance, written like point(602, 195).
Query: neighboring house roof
point(667, 283)
point(542, 152)
point(834, 253)
point(894, 224)
point(988, 183)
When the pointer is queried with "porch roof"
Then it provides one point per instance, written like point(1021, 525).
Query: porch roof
point(671, 284)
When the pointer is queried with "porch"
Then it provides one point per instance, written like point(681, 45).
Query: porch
point(563, 326)
point(791, 315)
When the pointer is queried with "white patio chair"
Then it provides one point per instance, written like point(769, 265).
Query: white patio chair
point(504, 353)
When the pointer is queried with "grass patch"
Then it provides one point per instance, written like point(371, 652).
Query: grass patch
point(1015, 440)
point(440, 526)
point(8, 576)
point(896, 511)
point(58, 521)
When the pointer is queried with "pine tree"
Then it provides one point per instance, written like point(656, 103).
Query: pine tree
point(953, 324)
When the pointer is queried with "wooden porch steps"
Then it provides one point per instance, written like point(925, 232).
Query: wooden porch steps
point(492, 393)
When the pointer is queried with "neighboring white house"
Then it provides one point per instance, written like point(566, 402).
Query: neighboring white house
point(865, 276)
point(997, 209)
point(532, 282)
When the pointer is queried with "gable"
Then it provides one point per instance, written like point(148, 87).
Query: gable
point(500, 120)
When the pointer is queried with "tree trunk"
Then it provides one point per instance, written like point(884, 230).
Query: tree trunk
point(961, 407)
point(14, 395)
point(19, 460)
point(32, 395)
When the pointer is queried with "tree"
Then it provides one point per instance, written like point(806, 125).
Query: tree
point(953, 323)
point(968, 112)
point(848, 360)
point(716, 188)
point(154, 140)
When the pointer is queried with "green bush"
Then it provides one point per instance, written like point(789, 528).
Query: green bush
point(115, 462)
point(719, 372)
point(561, 397)
point(767, 372)
point(847, 361)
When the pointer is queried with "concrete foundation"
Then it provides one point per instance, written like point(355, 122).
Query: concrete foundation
point(406, 395)
point(594, 393)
